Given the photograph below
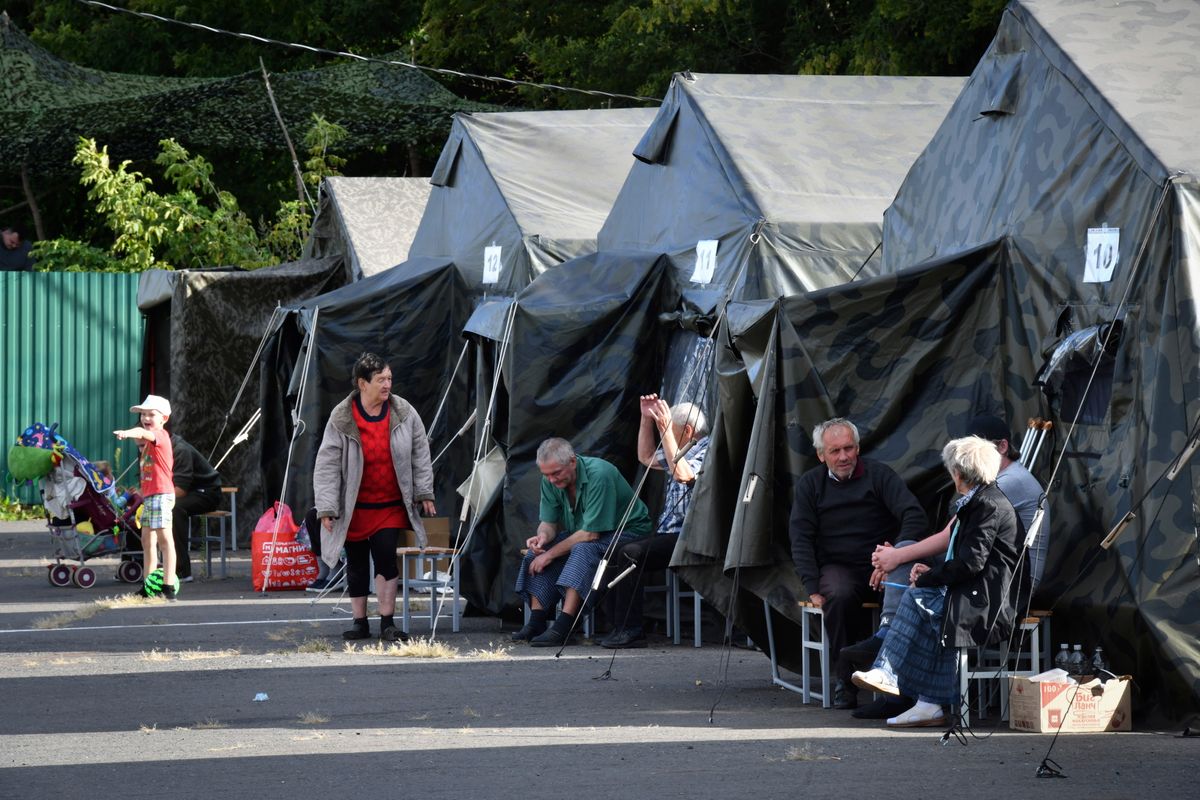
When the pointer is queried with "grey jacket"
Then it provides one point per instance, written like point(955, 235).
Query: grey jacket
point(338, 471)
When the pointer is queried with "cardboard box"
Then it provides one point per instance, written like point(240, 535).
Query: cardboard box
point(1048, 706)
point(437, 529)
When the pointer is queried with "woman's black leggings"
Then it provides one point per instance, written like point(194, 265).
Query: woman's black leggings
point(380, 546)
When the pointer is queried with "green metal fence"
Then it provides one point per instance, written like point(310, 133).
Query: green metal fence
point(72, 351)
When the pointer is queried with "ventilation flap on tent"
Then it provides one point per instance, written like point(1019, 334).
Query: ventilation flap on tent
point(1002, 83)
point(652, 149)
point(1066, 374)
point(444, 169)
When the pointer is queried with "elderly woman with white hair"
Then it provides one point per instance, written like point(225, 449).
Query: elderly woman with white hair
point(967, 600)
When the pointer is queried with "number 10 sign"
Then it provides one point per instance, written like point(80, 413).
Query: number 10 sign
point(1103, 249)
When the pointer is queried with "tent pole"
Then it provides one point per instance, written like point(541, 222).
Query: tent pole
point(449, 386)
point(301, 191)
point(262, 343)
point(462, 542)
point(297, 429)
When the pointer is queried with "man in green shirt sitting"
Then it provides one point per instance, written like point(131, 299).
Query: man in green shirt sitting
point(582, 503)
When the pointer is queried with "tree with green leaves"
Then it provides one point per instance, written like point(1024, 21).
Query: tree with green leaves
point(197, 225)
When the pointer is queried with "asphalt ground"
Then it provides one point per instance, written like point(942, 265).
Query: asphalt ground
point(153, 700)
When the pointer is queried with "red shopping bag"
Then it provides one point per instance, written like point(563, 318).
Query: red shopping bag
point(292, 564)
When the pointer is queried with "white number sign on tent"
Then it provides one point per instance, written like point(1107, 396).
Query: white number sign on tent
point(1103, 250)
point(491, 264)
point(706, 261)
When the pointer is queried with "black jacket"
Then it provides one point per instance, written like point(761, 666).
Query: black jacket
point(841, 522)
point(981, 597)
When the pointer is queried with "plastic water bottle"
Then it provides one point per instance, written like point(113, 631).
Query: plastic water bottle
point(1079, 665)
point(1099, 665)
point(1063, 659)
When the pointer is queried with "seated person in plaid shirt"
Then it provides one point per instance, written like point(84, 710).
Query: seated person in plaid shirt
point(676, 427)
point(583, 502)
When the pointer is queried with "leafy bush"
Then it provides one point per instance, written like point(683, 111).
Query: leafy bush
point(196, 226)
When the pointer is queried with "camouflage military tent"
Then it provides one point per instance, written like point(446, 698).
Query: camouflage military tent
point(785, 177)
point(586, 339)
point(1095, 202)
point(411, 315)
point(713, 165)
point(369, 221)
point(535, 185)
point(1052, 224)
point(203, 329)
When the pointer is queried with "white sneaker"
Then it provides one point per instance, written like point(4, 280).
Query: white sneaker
point(188, 579)
point(876, 680)
point(922, 715)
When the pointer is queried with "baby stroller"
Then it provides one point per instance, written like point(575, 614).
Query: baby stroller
point(85, 515)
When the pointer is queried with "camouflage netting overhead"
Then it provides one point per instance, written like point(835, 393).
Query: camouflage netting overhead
point(49, 103)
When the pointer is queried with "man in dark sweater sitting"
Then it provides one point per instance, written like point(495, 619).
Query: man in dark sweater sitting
point(842, 510)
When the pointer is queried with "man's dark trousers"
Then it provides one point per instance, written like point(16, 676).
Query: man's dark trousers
point(845, 589)
point(650, 553)
point(199, 501)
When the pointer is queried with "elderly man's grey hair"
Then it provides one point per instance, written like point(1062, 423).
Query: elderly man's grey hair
point(976, 460)
point(690, 414)
point(818, 433)
point(555, 451)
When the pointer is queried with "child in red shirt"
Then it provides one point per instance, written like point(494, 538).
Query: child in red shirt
point(158, 490)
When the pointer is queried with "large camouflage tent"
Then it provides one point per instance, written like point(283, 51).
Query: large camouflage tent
point(533, 186)
point(785, 178)
point(1096, 206)
point(1052, 225)
point(369, 221)
point(536, 185)
point(203, 330)
point(584, 340)
point(794, 199)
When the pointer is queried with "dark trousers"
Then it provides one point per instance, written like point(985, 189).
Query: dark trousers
point(845, 589)
point(199, 501)
point(650, 553)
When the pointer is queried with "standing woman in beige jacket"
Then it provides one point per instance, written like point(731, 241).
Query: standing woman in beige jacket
point(372, 470)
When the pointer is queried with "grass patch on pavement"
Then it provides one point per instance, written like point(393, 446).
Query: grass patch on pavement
point(415, 648)
point(89, 610)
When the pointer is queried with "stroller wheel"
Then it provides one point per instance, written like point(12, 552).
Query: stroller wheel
point(85, 578)
point(129, 571)
point(60, 575)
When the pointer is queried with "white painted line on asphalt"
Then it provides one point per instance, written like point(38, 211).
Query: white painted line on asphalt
point(172, 625)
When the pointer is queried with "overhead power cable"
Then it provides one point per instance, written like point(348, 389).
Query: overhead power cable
point(372, 59)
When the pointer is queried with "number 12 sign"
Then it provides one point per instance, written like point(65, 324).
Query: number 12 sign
point(1103, 250)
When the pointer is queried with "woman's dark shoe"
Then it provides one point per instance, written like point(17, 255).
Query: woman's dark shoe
point(356, 633)
point(556, 634)
point(393, 634)
point(528, 631)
